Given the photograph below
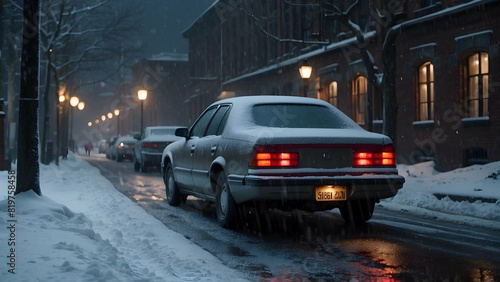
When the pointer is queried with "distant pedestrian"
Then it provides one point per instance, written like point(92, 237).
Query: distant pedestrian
point(88, 148)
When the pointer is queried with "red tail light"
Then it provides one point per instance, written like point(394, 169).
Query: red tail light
point(381, 156)
point(149, 145)
point(269, 157)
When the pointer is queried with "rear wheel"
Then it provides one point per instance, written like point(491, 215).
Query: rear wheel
point(142, 167)
point(136, 165)
point(225, 206)
point(358, 211)
point(174, 197)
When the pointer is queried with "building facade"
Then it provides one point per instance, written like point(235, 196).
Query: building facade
point(165, 78)
point(445, 60)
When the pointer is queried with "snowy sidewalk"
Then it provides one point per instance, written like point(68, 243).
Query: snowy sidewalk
point(82, 229)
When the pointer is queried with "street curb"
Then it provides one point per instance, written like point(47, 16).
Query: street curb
point(469, 199)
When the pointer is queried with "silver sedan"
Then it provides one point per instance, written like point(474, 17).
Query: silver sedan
point(280, 151)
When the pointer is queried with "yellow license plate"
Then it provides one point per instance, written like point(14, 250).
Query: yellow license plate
point(331, 193)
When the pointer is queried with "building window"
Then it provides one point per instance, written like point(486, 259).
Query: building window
point(359, 87)
point(425, 95)
point(332, 93)
point(476, 74)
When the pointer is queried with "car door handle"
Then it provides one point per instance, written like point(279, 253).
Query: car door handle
point(192, 150)
point(213, 150)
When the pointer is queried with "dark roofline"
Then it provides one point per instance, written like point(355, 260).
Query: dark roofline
point(205, 14)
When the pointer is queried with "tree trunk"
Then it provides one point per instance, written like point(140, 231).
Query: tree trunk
point(46, 112)
point(28, 169)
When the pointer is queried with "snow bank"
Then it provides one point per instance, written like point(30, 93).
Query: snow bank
point(469, 195)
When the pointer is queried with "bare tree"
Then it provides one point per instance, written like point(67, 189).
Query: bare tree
point(12, 25)
point(80, 37)
point(394, 11)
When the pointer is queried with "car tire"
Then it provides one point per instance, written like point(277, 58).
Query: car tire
point(174, 197)
point(136, 165)
point(358, 211)
point(119, 158)
point(225, 207)
point(142, 167)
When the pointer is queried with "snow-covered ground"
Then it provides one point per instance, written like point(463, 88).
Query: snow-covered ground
point(82, 229)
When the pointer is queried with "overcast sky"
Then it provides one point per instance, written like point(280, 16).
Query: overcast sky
point(165, 20)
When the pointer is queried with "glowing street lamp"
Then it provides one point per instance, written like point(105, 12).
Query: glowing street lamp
point(142, 94)
point(117, 113)
point(89, 124)
point(103, 117)
point(110, 115)
point(305, 73)
point(74, 101)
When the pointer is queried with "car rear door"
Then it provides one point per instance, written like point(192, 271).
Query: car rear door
point(184, 159)
point(206, 150)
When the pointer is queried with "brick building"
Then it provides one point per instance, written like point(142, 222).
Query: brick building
point(447, 67)
point(165, 77)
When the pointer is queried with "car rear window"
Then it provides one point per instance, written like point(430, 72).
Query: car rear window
point(298, 116)
point(163, 131)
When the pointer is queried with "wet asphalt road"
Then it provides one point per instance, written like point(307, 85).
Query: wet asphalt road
point(392, 246)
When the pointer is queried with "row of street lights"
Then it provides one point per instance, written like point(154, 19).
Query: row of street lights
point(141, 94)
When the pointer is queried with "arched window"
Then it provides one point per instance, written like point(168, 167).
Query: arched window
point(425, 95)
point(359, 87)
point(476, 74)
point(332, 93)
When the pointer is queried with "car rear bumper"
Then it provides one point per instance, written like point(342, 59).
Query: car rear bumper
point(302, 188)
point(151, 158)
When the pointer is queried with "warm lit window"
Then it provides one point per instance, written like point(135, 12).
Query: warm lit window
point(359, 87)
point(332, 93)
point(425, 96)
point(476, 72)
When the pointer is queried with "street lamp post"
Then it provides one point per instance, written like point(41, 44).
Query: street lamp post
point(59, 114)
point(74, 101)
point(117, 113)
point(142, 94)
point(305, 72)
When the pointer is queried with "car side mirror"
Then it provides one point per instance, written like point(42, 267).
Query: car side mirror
point(137, 136)
point(182, 132)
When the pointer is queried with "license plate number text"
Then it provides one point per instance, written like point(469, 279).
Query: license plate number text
point(331, 193)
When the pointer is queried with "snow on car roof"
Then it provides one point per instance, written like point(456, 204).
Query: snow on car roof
point(267, 99)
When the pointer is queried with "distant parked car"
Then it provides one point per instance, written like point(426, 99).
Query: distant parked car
point(122, 148)
point(281, 151)
point(150, 145)
point(103, 146)
point(110, 143)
